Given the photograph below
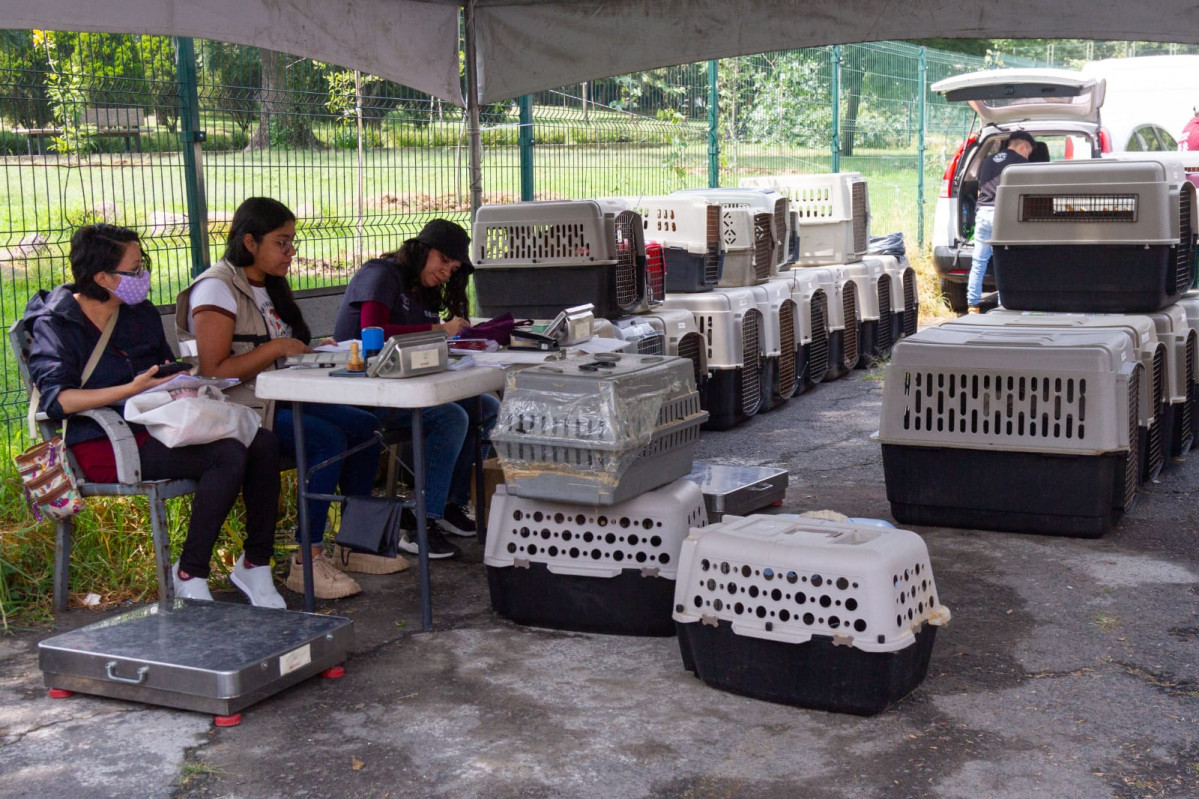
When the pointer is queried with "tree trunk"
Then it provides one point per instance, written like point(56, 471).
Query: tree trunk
point(852, 75)
point(280, 122)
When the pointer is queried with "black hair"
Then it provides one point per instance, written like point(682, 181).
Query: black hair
point(258, 216)
point(450, 297)
point(95, 249)
point(1040, 153)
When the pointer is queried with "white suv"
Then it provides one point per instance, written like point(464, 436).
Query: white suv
point(1058, 107)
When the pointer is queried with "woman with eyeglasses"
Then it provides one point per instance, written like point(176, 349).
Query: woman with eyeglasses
point(66, 325)
point(244, 320)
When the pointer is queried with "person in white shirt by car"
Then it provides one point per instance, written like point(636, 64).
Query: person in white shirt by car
point(1017, 149)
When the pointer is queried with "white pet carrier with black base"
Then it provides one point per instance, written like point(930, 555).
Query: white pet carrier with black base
point(642, 337)
point(536, 258)
point(905, 299)
point(811, 294)
point(875, 304)
point(1190, 306)
point(833, 212)
point(1154, 430)
point(688, 229)
point(597, 429)
point(1181, 340)
point(838, 616)
point(1031, 431)
point(731, 325)
point(759, 201)
point(1094, 236)
point(682, 338)
point(609, 569)
point(779, 342)
point(844, 321)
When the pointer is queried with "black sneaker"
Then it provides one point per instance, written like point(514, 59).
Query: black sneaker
point(438, 547)
point(456, 522)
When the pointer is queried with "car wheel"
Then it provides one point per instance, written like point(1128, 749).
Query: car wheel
point(955, 295)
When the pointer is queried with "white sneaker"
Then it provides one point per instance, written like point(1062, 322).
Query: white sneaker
point(191, 588)
point(257, 584)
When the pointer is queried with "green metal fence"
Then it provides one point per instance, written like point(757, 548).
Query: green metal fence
point(142, 131)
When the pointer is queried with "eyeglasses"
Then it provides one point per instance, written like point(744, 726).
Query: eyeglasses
point(143, 268)
point(288, 245)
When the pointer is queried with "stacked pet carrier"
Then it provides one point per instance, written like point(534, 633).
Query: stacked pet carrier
point(536, 258)
point(771, 212)
point(586, 530)
point(814, 304)
point(828, 615)
point(1046, 417)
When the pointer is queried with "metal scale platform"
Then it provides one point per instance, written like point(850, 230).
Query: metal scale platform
point(737, 490)
point(210, 657)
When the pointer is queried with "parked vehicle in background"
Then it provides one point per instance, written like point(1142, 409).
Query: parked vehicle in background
point(1058, 107)
point(1147, 98)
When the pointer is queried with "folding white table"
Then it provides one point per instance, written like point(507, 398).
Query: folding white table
point(299, 386)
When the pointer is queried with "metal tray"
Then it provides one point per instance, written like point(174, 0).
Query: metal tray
point(737, 490)
point(211, 657)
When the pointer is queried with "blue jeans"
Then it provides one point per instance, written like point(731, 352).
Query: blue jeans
point(984, 219)
point(449, 447)
point(330, 430)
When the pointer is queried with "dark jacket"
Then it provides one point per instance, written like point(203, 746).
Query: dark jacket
point(63, 340)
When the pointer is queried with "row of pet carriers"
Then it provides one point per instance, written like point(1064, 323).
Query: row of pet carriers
point(1162, 342)
point(598, 429)
point(536, 258)
point(1105, 236)
point(731, 326)
point(832, 212)
point(1005, 429)
point(750, 221)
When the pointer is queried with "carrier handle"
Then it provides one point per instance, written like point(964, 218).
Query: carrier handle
point(110, 668)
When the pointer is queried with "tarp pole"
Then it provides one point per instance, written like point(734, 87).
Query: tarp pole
point(191, 140)
point(472, 110)
point(835, 92)
point(922, 83)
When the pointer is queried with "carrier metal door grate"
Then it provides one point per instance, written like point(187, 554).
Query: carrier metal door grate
point(884, 314)
point(818, 349)
point(849, 306)
point(787, 362)
point(751, 348)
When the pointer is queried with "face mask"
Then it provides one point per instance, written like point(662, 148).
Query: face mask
point(132, 290)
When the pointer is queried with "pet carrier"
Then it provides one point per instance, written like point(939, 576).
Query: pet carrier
point(607, 569)
point(760, 201)
point(1029, 431)
point(682, 339)
point(688, 231)
point(836, 616)
point(780, 315)
point(642, 337)
point(536, 258)
point(597, 429)
point(731, 326)
point(1099, 235)
point(833, 212)
point(1153, 433)
point(875, 301)
point(810, 293)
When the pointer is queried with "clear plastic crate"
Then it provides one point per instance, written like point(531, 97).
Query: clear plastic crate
point(833, 212)
point(1100, 235)
point(831, 615)
point(1007, 429)
point(604, 569)
point(598, 429)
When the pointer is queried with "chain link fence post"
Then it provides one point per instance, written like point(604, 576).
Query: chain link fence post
point(192, 140)
point(713, 126)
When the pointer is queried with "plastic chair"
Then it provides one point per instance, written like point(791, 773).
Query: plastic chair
point(129, 483)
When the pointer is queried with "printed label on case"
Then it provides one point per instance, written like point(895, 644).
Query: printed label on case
point(295, 659)
point(423, 359)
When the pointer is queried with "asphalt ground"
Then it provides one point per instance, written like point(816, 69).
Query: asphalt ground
point(1069, 670)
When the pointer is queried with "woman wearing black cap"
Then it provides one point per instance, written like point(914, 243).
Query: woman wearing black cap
point(420, 287)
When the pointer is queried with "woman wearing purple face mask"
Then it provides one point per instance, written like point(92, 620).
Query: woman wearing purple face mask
point(112, 278)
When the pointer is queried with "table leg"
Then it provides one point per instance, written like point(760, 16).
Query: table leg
point(302, 505)
point(422, 532)
point(480, 521)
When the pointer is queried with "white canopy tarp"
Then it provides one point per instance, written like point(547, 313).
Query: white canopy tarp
point(529, 45)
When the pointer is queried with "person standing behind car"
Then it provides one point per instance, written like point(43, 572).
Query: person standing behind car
point(1189, 140)
point(409, 291)
point(244, 320)
point(1017, 149)
point(112, 277)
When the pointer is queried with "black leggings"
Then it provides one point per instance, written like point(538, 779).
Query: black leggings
point(222, 468)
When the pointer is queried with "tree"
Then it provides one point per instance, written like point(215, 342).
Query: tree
point(233, 77)
point(292, 92)
point(24, 102)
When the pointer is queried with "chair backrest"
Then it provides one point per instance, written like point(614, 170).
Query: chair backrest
point(19, 339)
